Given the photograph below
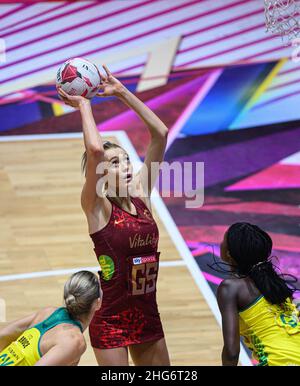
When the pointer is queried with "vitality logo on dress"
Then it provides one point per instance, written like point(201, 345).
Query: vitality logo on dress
point(139, 241)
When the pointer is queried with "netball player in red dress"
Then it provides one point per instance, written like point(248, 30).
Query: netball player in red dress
point(125, 236)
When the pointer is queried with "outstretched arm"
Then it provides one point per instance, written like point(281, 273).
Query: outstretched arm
point(227, 301)
point(13, 330)
point(157, 129)
point(93, 146)
point(158, 140)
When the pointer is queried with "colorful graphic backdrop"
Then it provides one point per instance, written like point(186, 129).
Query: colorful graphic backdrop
point(228, 91)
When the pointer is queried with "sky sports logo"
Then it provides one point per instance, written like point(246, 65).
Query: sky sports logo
point(144, 260)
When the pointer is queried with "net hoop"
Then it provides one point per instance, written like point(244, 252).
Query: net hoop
point(283, 18)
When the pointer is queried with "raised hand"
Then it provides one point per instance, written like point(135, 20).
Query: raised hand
point(71, 100)
point(109, 84)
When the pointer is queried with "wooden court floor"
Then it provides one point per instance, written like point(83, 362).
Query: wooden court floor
point(42, 228)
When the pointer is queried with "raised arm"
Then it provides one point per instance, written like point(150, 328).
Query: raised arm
point(12, 331)
point(95, 154)
point(158, 140)
point(227, 301)
point(157, 129)
point(93, 146)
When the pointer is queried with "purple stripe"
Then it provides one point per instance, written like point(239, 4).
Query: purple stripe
point(210, 41)
point(224, 38)
point(241, 32)
point(265, 52)
point(227, 51)
point(117, 43)
point(56, 17)
point(130, 68)
point(276, 99)
point(70, 28)
point(170, 76)
point(283, 85)
point(30, 57)
point(16, 9)
point(135, 78)
point(288, 71)
point(37, 15)
point(225, 22)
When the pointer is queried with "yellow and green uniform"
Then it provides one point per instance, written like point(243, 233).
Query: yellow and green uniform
point(25, 351)
point(272, 332)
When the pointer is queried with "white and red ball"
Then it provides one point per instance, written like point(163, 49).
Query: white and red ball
point(78, 76)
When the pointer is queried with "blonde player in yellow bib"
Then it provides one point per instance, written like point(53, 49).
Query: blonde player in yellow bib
point(53, 336)
point(257, 302)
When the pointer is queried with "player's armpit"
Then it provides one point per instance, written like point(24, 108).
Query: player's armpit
point(66, 353)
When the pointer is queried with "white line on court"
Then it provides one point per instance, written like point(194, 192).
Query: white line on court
point(61, 272)
point(165, 217)
point(38, 137)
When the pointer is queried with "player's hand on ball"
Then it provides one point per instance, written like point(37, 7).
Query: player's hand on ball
point(109, 84)
point(71, 100)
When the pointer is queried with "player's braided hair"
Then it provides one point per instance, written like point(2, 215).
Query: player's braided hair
point(80, 292)
point(250, 247)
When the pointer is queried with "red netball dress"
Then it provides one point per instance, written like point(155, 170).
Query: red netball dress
point(126, 249)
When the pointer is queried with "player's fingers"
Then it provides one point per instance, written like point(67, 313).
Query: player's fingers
point(61, 97)
point(65, 100)
point(106, 70)
point(63, 93)
point(101, 86)
point(103, 78)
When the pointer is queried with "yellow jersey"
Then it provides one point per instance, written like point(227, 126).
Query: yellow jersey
point(25, 351)
point(272, 332)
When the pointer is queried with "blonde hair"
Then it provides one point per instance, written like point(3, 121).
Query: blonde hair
point(106, 145)
point(80, 292)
